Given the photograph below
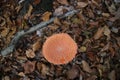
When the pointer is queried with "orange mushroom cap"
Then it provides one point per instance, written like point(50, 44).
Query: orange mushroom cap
point(59, 49)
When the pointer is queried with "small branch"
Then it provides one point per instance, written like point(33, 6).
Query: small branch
point(20, 34)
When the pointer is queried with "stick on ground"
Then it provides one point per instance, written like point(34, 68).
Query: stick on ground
point(20, 34)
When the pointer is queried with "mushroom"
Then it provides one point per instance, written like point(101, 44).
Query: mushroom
point(59, 49)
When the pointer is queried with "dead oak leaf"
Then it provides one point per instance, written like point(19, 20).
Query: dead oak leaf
point(30, 53)
point(29, 67)
point(46, 16)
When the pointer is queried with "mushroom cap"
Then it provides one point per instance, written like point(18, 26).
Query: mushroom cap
point(59, 48)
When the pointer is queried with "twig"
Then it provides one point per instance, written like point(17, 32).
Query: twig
point(20, 34)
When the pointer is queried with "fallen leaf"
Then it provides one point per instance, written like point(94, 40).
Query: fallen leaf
point(29, 67)
point(57, 21)
point(112, 51)
point(91, 56)
point(46, 16)
point(28, 14)
point(95, 2)
point(112, 75)
point(76, 21)
point(2, 21)
point(42, 68)
point(4, 32)
point(21, 74)
point(86, 66)
point(36, 46)
point(118, 41)
point(105, 14)
point(107, 32)
point(6, 78)
point(58, 11)
point(93, 77)
point(65, 2)
point(82, 4)
point(106, 47)
point(53, 27)
point(45, 69)
point(111, 7)
point(73, 72)
point(90, 13)
point(99, 33)
point(30, 53)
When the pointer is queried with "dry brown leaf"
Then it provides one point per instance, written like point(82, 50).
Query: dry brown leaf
point(36, 46)
point(105, 14)
point(57, 21)
point(91, 56)
point(106, 47)
point(21, 74)
point(86, 66)
point(28, 14)
point(4, 32)
point(46, 16)
point(99, 33)
point(65, 2)
point(30, 53)
point(82, 4)
point(73, 73)
point(112, 51)
point(53, 27)
point(107, 32)
point(29, 67)
point(45, 69)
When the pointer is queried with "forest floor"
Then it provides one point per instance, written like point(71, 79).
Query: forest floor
point(95, 27)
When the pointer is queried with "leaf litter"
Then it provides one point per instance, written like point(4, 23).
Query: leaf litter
point(95, 29)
